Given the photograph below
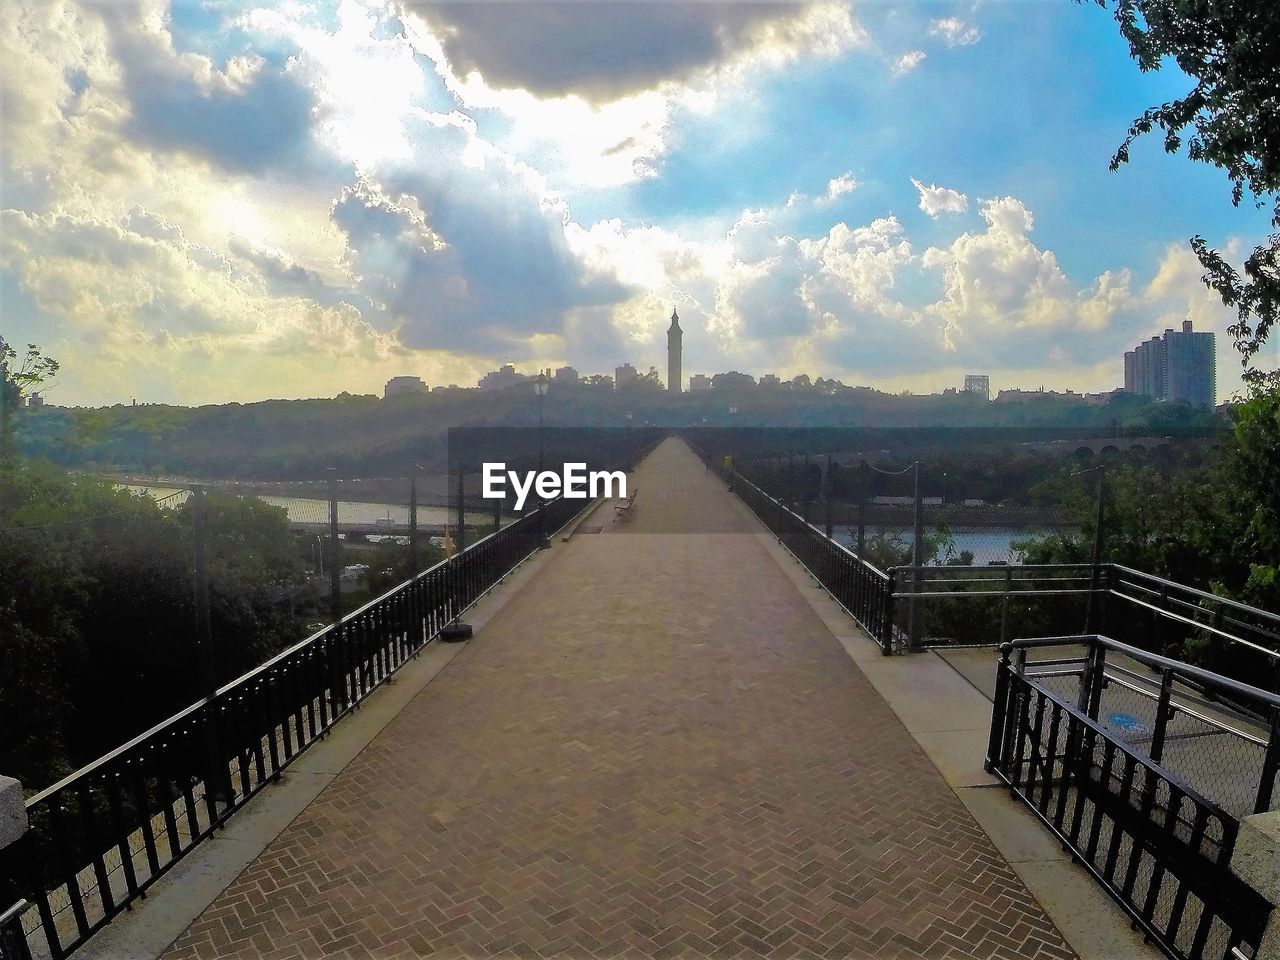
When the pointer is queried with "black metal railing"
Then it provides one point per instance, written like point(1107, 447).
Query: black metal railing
point(13, 941)
point(863, 590)
point(1156, 842)
point(99, 838)
point(984, 606)
point(1224, 636)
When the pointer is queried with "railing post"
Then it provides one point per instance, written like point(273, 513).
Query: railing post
point(460, 539)
point(917, 561)
point(217, 779)
point(826, 493)
point(999, 712)
point(337, 671)
point(1004, 604)
point(1163, 711)
point(1092, 679)
point(886, 627)
point(1093, 614)
point(413, 520)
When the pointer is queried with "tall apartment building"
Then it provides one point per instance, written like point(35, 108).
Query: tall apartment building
point(979, 383)
point(624, 374)
point(1179, 365)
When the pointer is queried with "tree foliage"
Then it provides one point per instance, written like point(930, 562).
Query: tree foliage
point(1215, 526)
point(97, 610)
point(19, 376)
point(1230, 118)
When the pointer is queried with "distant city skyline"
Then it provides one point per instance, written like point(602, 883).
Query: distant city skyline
point(216, 201)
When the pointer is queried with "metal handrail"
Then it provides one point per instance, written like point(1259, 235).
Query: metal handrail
point(1203, 594)
point(1178, 667)
point(13, 912)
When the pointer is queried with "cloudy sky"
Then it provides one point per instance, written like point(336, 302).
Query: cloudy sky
point(213, 200)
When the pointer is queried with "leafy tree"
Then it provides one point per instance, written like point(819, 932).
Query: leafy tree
point(733, 383)
point(96, 610)
point(643, 383)
point(18, 378)
point(1230, 118)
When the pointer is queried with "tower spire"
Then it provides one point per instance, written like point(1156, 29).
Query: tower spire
point(675, 336)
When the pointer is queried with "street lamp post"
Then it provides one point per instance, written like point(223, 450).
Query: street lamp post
point(540, 387)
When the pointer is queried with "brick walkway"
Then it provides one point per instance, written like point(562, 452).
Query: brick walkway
point(655, 749)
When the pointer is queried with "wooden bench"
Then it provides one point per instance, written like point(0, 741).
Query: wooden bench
point(622, 508)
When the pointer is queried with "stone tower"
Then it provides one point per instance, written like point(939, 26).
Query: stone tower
point(674, 336)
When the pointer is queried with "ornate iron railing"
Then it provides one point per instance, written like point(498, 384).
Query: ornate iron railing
point(101, 837)
point(1155, 842)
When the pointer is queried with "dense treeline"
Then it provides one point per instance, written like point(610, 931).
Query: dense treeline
point(1215, 525)
point(96, 610)
point(367, 436)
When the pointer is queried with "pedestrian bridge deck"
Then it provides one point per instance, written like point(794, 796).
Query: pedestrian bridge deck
point(655, 748)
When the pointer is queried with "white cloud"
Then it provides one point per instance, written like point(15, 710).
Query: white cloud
point(998, 282)
point(956, 32)
point(908, 62)
point(837, 188)
point(936, 200)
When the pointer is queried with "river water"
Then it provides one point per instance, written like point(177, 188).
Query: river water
point(987, 544)
point(309, 510)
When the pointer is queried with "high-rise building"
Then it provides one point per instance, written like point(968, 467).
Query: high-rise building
point(978, 383)
point(1179, 365)
point(566, 375)
point(397, 386)
point(675, 337)
point(623, 375)
point(699, 383)
point(1190, 371)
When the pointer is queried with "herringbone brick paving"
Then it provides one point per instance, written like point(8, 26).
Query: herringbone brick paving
point(655, 749)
